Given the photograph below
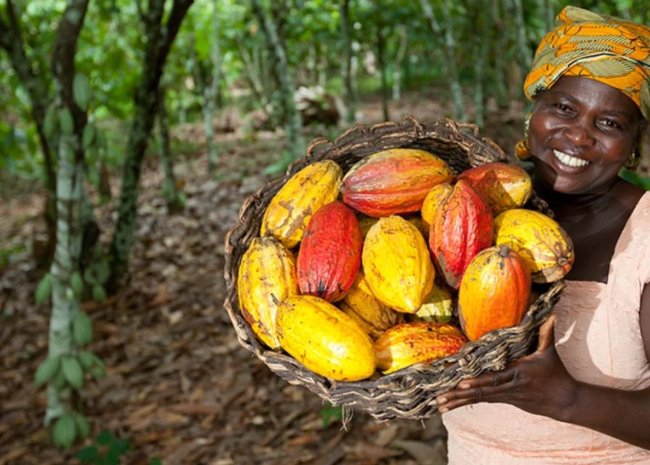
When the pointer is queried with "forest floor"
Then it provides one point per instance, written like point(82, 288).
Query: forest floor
point(179, 386)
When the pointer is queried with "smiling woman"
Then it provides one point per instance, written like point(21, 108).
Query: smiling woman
point(584, 396)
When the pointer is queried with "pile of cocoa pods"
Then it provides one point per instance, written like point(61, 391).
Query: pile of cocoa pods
point(363, 273)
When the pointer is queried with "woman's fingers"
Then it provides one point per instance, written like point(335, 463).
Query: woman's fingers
point(546, 335)
point(480, 389)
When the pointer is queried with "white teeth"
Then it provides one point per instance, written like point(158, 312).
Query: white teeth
point(569, 160)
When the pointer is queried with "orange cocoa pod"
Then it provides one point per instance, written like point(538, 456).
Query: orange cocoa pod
point(436, 196)
point(397, 264)
point(324, 339)
point(393, 181)
point(373, 316)
point(502, 186)
point(419, 342)
point(266, 276)
point(494, 292)
point(290, 210)
point(462, 228)
point(330, 253)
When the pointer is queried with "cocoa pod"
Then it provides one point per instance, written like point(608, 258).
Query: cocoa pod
point(393, 181)
point(266, 277)
point(330, 253)
point(436, 196)
point(494, 292)
point(409, 343)
point(544, 245)
point(502, 186)
point(438, 307)
point(397, 264)
point(324, 339)
point(291, 209)
point(373, 316)
point(461, 229)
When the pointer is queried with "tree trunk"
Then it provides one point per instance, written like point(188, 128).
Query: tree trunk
point(381, 63)
point(11, 40)
point(525, 54)
point(159, 41)
point(348, 89)
point(293, 121)
point(500, 51)
point(252, 76)
point(480, 51)
point(399, 59)
point(211, 93)
point(450, 55)
point(172, 197)
point(65, 302)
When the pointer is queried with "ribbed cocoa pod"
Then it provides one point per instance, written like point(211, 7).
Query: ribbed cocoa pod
point(502, 186)
point(324, 339)
point(330, 253)
point(291, 209)
point(364, 308)
point(462, 228)
point(546, 248)
point(393, 181)
point(267, 276)
point(436, 196)
point(397, 264)
point(409, 343)
point(438, 307)
point(494, 292)
point(366, 222)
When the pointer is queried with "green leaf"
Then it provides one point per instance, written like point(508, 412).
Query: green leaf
point(155, 461)
point(66, 122)
point(100, 137)
point(99, 294)
point(105, 438)
point(122, 446)
point(102, 270)
point(88, 136)
point(72, 372)
point(98, 368)
point(47, 370)
point(50, 122)
point(58, 381)
point(81, 91)
point(77, 283)
point(330, 414)
point(86, 359)
point(112, 457)
point(82, 425)
point(65, 431)
point(82, 329)
point(88, 454)
point(44, 289)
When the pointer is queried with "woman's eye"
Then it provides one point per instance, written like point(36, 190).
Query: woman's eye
point(563, 108)
point(610, 124)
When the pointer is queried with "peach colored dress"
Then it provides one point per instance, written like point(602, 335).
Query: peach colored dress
point(598, 337)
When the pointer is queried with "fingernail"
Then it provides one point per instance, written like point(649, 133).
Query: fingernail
point(464, 386)
point(442, 400)
point(443, 409)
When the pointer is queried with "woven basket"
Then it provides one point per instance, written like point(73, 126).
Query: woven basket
point(408, 393)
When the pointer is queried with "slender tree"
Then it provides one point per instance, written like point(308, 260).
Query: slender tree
point(293, 121)
point(170, 192)
point(346, 37)
point(160, 36)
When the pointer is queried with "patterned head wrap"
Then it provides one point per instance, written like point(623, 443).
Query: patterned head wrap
point(607, 49)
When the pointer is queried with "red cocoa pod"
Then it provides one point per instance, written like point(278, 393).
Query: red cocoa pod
point(462, 227)
point(330, 254)
point(393, 181)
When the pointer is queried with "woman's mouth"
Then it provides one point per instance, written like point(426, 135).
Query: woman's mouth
point(569, 160)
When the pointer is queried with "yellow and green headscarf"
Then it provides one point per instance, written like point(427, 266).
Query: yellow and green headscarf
point(600, 47)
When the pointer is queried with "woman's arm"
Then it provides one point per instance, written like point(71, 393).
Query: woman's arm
point(541, 385)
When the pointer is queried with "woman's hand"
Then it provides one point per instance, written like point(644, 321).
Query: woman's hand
point(538, 383)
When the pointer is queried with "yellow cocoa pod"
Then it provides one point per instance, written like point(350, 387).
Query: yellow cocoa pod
point(409, 343)
point(397, 264)
point(291, 209)
point(545, 247)
point(432, 201)
point(364, 308)
point(438, 306)
point(324, 339)
point(267, 276)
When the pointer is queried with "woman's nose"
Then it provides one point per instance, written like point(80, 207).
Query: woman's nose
point(579, 133)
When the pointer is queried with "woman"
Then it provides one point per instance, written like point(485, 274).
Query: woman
point(584, 396)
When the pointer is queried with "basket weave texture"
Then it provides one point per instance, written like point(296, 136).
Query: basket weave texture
point(408, 393)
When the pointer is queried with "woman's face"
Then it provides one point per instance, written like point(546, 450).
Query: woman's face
point(581, 133)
